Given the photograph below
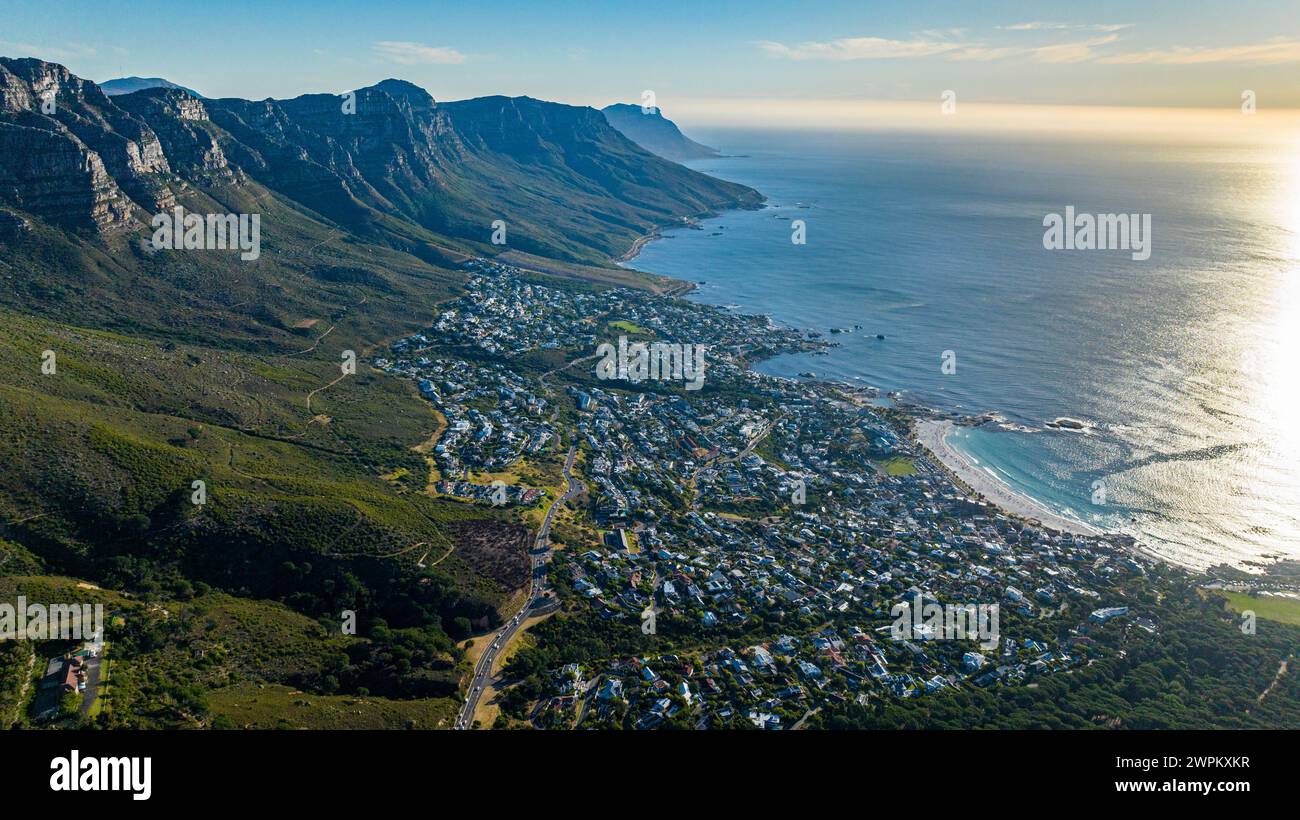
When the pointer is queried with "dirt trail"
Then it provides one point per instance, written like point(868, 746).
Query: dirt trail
point(1281, 670)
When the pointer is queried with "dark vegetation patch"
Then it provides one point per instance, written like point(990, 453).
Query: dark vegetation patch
point(495, 549)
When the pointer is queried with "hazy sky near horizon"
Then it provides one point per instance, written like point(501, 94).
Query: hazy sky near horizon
point(1158, 53)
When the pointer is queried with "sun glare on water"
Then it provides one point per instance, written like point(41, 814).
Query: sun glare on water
point(1274, 384)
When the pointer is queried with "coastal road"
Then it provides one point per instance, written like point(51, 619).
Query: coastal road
point(537, 587)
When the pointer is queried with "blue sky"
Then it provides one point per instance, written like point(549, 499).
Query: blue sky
point(1158, 53)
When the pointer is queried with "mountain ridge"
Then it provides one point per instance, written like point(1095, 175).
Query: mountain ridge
point(126, 85)
point(654, 132)
point(387, 162)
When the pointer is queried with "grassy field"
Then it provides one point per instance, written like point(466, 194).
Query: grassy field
point(544, 471)
point(1282, 610)
point(256, 706)
point(628, 327)
point(898, 466)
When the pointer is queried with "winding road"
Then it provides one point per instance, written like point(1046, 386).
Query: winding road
point(501, 638)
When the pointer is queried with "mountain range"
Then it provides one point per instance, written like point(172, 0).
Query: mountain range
point(646, 126)
point(391, 165)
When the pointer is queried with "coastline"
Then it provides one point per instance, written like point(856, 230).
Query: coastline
point(680, 287)
point(969, 475)
point(932, 435)
point(686, 222)
point(635, 251)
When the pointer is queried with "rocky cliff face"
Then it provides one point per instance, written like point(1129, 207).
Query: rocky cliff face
point(46, 170)
point(182, 124)
point(386, 162)
point(68, 154)
point(386, 148)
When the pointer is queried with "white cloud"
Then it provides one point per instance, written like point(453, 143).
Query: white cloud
point(1040, 26)
point(1077, 52)
point(983, 53)
point(877, 48)
point(950, 45)
point(944, 34)
point(407, 53)
point(859, 48)
point(1270, 52)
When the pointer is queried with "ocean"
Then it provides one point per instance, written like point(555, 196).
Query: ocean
point(1183, 367)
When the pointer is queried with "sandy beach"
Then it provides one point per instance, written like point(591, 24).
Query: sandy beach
point(933, 434)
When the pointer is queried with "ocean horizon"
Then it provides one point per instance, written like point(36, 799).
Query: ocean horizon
point(1177, 365)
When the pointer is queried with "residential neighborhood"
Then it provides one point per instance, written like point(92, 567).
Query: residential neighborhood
point(755, 502)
